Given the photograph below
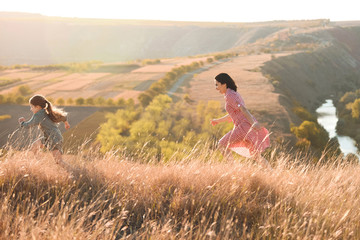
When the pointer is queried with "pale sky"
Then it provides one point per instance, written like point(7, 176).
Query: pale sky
point(191, 10)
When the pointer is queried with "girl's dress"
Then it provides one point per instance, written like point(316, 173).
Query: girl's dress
point(242, 139)
point(52, 138)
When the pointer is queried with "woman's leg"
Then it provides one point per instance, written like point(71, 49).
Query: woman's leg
point(224, 143)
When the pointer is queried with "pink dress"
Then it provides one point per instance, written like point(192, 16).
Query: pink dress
point(242, 139)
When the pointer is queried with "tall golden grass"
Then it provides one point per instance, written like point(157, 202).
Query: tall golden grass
point(114, 197)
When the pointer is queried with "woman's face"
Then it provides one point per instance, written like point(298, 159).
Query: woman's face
point(220, 87)
point(34, 108)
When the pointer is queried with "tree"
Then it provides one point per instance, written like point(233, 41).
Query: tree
point(60, 101)
point(70, 101)
point(110, 102)
point(144, 99)
point(24, 90)
point(355, 109)
point(19, 100)
point(100, 101)
point(313, 132)
point(89, 101)
point(121, 102)
point(80, 101)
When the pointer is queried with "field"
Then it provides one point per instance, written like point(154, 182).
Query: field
point(109, 197)
point(127, 84)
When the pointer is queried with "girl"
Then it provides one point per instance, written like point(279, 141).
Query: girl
point(247, 138)
point(46, 117)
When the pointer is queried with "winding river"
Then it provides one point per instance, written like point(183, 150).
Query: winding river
point(328, 119)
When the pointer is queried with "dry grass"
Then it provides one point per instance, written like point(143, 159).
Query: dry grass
point(112, 197)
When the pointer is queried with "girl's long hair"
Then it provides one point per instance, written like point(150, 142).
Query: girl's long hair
point(55, 114)
point(225, 78)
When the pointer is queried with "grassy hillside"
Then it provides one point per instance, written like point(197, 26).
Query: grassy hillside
point(109, 197)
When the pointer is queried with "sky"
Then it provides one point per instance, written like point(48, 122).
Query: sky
point(191, 10)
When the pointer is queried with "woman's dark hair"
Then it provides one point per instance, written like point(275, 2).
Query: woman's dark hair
point(225, 78)
point(54, 113)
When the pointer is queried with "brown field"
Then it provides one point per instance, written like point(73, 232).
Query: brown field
point(256, 90)
point(61, 84)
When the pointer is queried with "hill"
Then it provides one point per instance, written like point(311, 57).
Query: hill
point(23, 37)
point(326, 72)
point(200, 198)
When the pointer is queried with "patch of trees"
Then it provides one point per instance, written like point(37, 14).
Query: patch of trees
point(309, 133)
point(150, 61)
point(22, 94)
point(165, 83)
point(163, 129)
point(8, 81)
point(70, 67)
point(348, 110)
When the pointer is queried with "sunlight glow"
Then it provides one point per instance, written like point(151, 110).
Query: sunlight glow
point(190, 10)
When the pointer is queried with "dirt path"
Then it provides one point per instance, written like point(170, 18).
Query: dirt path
point(189, 75)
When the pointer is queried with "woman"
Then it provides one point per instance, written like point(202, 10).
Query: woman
point(247, 138)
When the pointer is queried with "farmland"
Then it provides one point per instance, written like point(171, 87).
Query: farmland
point(63, 84)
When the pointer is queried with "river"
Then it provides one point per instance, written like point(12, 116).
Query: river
point(328, 119)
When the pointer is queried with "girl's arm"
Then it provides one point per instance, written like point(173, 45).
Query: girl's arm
point(67, 125)
point(248, 116)
point(34, 120)
point(225, 118)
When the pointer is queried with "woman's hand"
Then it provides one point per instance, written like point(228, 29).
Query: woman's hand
point(20, 120)
point(214, 122)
